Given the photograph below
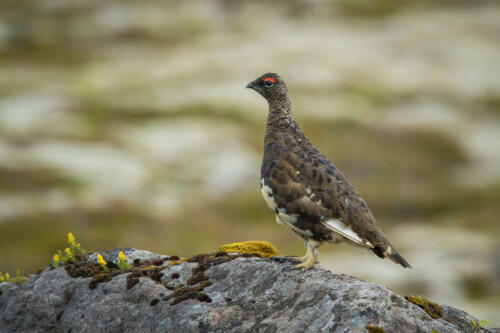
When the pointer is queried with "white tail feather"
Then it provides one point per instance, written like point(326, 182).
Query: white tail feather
point(342, 229)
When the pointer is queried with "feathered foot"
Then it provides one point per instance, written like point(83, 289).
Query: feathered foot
point(311, 256)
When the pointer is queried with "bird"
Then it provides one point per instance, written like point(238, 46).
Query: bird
point(306, 192)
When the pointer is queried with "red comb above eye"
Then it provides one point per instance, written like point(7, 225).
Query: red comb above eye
point(269, 79)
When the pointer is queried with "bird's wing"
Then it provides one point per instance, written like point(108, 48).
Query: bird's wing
point(308, 186)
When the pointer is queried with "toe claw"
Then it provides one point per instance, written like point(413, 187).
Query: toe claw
point(308, 264)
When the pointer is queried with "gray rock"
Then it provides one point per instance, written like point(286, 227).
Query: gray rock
point(227, 293)
point(130, 254)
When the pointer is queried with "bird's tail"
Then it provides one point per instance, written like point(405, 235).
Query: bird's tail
point(391, 253)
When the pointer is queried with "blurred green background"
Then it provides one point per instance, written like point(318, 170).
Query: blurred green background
point(127, 123)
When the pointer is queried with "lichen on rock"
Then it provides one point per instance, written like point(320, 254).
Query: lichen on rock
point(431, 308)
point(262, 248)
point(177, 262)
point(374, 329)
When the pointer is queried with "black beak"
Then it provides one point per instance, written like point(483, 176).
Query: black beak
point(251, 85)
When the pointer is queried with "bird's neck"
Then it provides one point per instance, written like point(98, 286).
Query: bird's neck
point(280, 115)
point(280, 122)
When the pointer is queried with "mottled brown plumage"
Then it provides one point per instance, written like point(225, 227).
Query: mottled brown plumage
point(305, 190)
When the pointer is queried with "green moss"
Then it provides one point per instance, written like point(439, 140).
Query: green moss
point(374, 329)
point(264, 249)
point(176, 262)
point(431, 308)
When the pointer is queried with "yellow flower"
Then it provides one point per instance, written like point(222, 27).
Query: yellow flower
point(2, 279)
point(56, 260)
point(102, 262)
point(7, 276)
point(68, 252)
point(71, 239)
point(122, 261)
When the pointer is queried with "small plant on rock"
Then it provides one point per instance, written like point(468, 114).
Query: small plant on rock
point(122, 262)
point(73, 253)
point(74, 246)
point(56, 259)
point(102, 262)
point(479, 326)
point(17, 279)
point(69, 255)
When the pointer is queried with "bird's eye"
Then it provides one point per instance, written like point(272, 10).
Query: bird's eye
point(268, 83)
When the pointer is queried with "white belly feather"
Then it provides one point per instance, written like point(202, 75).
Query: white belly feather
point(267, 193)
point(281, 216)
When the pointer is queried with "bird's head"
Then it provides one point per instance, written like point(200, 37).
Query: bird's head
point(271, 86)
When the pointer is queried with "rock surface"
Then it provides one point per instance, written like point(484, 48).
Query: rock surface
point(211, 293)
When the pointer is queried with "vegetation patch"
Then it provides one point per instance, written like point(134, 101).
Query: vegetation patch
point(18, 279)
point(374, 329)
point(176, 261)
point(75, 261)
point(183, 293)
point(262, 248)
point(95, 271)
point(198, 277)
point(431, 308)
point(198, 281)
point(147, 270)
point(195, 284)
point(479, 326)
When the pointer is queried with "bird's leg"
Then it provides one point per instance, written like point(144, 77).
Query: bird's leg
point(311, 255)
point(304, 258)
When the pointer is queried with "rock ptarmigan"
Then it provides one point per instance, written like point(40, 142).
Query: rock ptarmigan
point(305, 190)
